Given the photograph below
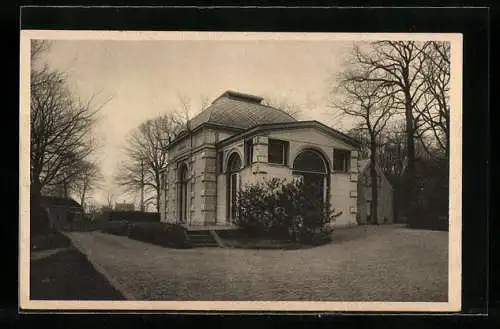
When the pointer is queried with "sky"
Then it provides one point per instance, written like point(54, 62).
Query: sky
point(138, 80)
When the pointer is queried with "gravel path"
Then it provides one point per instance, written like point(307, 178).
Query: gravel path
point(386, 263)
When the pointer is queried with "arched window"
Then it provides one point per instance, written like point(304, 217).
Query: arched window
point(233, 184)
point(310, 161)
point(313, 168)
point(183, 193)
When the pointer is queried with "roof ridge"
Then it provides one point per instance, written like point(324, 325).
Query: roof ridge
point(240, 96)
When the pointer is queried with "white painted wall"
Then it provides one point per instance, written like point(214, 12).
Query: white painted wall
point(341, 184)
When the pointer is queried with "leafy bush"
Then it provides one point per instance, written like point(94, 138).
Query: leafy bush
point(162, 234)
point(285, 209)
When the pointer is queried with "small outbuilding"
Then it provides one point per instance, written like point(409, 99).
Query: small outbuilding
point(62, 212)
point(385, 205)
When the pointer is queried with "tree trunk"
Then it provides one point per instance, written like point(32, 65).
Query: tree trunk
point(409, 173)
point(82, 200)
point(158, 189)
point(158, 198)
point(38, 222)
point(374, 182)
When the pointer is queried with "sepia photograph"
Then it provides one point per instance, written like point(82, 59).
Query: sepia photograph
point(258, 171)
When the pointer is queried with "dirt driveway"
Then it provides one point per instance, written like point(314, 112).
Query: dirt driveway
point(384, 263)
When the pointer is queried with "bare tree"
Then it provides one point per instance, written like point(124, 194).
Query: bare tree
point(92, 209)
point(371, 103)
point(433, 112)
point(359, 133)
point(182, 115)
point(88, 178)
point(392, 150)
point(146, 158)
point(61, 127)
point(110, 200)
point(283, 104)
point(398, 64)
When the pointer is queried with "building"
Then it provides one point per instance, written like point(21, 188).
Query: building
point(62, 212)
point(385, 206)
point(238, 140)
point(124, 207)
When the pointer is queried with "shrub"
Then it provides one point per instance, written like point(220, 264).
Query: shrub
point(429, 203)
point(52, 240)
point(162, 234)
point(133, 216)
point(115, 227)
point(285, 209)
point(39, 220)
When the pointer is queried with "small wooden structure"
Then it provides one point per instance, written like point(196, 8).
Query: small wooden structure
point(62, 212)
point(385, 196)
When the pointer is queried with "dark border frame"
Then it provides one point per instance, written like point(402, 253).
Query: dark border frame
point(472, 22)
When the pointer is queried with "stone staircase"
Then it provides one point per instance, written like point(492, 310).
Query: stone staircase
point(203, 238)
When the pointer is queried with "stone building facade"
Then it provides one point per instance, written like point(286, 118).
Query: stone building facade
point(238, 140)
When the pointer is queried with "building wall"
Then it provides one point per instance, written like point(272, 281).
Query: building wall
point(59, 216)
point(385, 210)
point(342, 185)
point(199, 154)
point(207, 194)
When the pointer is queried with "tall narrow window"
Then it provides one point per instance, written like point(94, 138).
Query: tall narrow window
point(248, 151)
point(220, 162)
point(233, 184)
point(278, 152)
point(183, 195)
point(341, 159)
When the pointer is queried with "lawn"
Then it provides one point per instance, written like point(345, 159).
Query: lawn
point(67, 275)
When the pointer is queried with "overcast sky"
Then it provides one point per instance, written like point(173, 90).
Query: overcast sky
point(145, 78)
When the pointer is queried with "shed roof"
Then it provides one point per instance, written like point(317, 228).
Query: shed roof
point(59, 201)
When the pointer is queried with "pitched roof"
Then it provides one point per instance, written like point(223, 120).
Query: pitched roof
point(364, 165)
point(292, 125)
point(237, 110)
point(58, 201)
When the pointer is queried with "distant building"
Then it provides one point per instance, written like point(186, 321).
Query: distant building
point(62, 212)
point(124, 207)
point(238, 140)
point(385, 206)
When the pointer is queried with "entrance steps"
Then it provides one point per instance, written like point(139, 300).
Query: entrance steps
point(203, 238)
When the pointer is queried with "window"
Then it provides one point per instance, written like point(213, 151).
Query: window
point(220, 162)
point(341, 159)
point(162, 178)
point(277, 152)
point(248, 151)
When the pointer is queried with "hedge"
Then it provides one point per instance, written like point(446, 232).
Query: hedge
point(161, 234)
point(132, 216)
point(116, 227)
